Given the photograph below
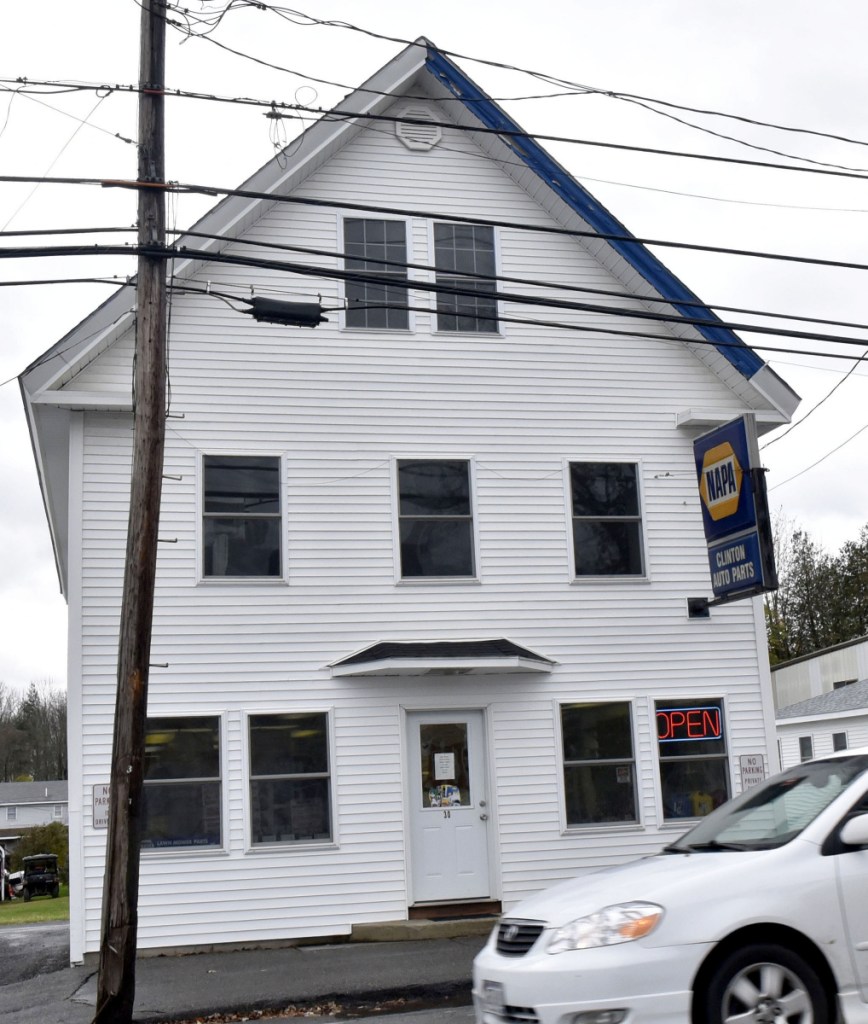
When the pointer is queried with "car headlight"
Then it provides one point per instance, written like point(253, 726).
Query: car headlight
point(622, 922)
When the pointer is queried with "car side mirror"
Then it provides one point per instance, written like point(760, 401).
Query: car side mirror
point(855, 831)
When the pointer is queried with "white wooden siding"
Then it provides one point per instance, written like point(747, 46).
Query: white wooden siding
point(340, 406)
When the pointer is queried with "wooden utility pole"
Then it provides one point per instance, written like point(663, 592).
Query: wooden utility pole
point(117, 962)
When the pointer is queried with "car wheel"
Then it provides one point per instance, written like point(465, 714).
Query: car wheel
point(765, 984)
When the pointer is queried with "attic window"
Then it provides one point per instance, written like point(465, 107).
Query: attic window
point(418, 136)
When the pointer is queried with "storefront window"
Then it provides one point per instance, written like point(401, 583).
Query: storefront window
point(289, 778)
point(181, 797)
point(599, 766)
point(694, 768)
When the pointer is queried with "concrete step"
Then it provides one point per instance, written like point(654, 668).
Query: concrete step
point(414, 931)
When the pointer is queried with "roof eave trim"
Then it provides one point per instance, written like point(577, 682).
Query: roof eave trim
point(440, 666)
point(737, 352)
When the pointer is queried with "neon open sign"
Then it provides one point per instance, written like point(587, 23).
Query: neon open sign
point(675, 725)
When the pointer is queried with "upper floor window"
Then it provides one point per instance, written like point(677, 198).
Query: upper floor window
point(289, 778)
point(839, 741)
point(181, 795)
point(376, 303)
point(607, 525)
point(435, 518)
point(11, 813)
point(691, 745)
point(58, 811)
point(599, 763)
point(241, 516)
point(459, 250)
point(806, 748)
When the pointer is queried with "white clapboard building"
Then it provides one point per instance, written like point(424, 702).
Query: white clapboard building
point(421, 632)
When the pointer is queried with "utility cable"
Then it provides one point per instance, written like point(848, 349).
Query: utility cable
point(362, 277)
point(210, 190)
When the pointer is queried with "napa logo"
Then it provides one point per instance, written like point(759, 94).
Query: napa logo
point(720, 481)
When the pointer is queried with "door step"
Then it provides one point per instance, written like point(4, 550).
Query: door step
point(454, 911)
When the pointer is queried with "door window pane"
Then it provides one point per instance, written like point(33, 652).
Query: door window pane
point(599, 768)
point(289, 778)
point(445, 765)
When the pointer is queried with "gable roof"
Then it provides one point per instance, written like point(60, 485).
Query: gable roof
point(853, 697)
point(19, 793)
point(48, 384)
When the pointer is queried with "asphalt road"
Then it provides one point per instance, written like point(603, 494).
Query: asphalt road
point(29, 950)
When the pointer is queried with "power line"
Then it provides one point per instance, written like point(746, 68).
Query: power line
point(211, 190)
point(476, 276)
point(821, 459)
point(22, 91)
point(571, 88)
point(280, 109)
point(816, 405)
point(307, 270)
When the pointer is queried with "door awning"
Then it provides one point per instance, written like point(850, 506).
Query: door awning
point(441, 657)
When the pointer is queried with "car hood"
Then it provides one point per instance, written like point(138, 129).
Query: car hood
point(663, 878)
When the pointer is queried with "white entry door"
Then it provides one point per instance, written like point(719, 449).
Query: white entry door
point(448, 801)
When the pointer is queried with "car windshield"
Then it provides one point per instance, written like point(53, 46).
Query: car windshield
point(774, 812)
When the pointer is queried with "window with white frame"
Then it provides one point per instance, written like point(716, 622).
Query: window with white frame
point(11, 813)
point(694, 765)
point(606, 519)
point(289, 778)
point(839, 741)
point(806, 748)
point(376, 251)
point(599, 763)
point(57, 812)
point(435, 518)
point(182, 785)
point(241, 516)
point(464, 261)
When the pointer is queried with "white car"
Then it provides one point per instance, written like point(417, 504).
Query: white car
point(757, 915)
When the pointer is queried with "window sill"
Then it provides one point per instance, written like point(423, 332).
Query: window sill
point(621, 581)
point(439, 581)
point(468, 334)
point(605, 829)
point(160, 853)
point(377, 330)
point(242, 581)
point(290, 844)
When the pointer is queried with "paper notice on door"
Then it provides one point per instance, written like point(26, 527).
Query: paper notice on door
point(444, 767)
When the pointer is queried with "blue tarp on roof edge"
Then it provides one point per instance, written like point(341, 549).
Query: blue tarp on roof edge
point(730, 346)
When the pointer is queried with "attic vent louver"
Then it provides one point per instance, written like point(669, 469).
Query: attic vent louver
point(418, 136)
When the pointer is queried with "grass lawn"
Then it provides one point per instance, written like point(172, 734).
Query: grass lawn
point(40, 908)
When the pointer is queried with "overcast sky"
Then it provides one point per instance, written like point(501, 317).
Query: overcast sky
point(788, 62)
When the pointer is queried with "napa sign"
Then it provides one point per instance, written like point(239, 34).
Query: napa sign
point(735, 511)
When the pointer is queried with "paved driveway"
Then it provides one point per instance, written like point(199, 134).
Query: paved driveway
point(27, 950)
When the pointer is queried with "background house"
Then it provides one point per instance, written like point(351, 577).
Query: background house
point(819, 673)
point(24, 805)
point(834, 720)
point(421, 629)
